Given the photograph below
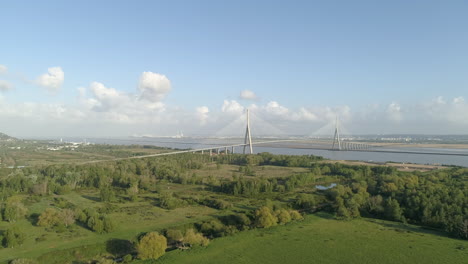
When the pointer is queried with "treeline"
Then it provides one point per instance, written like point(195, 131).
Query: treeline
point(437, 199)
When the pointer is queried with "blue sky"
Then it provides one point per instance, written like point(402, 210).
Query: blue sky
point(382, 65)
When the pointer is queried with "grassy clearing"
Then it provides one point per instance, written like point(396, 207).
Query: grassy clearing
point(132, 218)
point(320, 239)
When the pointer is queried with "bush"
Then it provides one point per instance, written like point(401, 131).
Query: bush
point(295, 215)
point(193, 238)
point(13, 237)
point(152, 246)
point(213, 228)
point(264, 218)
point(283, 216)
point(174, 235)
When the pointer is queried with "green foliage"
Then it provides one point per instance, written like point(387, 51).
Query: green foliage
point(174, 235)
point(264, 218)
point(13, 237)
point(213, 228)
point(151, 246)
point(168, 201)
point(295, 215)
point(283, 216)
point(14, 210)
point(96, 224)
point(393, 210)
point(127, 258)
point(107, 194)
point(50, 217)
point(305, 201)
point(192, 238)
point(108, 224)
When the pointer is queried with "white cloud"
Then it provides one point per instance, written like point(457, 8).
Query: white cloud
point(5, 86)
point(202, 114)
point(275, 108)
point(304, 115)
point(458, 100)
point(52, 80)
point(248, 95)
point(153, 87)
point(232, 107)
point(105, 98)
point(3, 69)
point(394, 112)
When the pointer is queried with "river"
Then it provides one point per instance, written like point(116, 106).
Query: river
point(446, 157)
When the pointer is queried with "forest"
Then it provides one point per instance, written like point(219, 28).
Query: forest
point(237, 192)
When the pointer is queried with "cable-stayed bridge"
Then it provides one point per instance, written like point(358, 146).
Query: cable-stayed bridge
point(337, 144)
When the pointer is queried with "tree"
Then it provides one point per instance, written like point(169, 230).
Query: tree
point(13, 237)
point(305, 201)
point(50, 217)
point(107, 194)
point(264, 218)
point(67, 217)
point(152, 246)
point(393, 210)
point(14, 210)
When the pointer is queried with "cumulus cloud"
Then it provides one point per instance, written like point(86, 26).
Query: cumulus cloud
point(5, 86)
point(275, 108)
point(153, 87)
point(202, 114)
point(248, 95)
point(3, 69)
point(232, 107)
point(304, 115)
point(52, 80)
point(104, 98)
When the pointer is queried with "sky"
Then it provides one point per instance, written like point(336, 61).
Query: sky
point(123, 68)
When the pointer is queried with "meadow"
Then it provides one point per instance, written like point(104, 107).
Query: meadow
point(319, 238)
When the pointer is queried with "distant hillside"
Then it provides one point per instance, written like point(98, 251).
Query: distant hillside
point(6, 137)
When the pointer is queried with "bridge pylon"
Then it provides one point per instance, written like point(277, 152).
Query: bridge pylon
point(336, 138)
point(248, 137)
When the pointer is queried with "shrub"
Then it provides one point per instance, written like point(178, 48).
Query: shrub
point(193, 238)
point(264, 218)
point(152, 246)
point(295, 215)
point(283, 216)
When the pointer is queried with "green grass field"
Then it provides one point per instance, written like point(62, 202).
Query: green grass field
point(321, 239)
point(132, 218)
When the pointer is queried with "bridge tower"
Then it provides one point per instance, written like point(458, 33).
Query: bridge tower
point(248, 137)
point(336, 138)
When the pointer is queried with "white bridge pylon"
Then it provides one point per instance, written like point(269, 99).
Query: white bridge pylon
point(248, 136)
point(341, 145)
